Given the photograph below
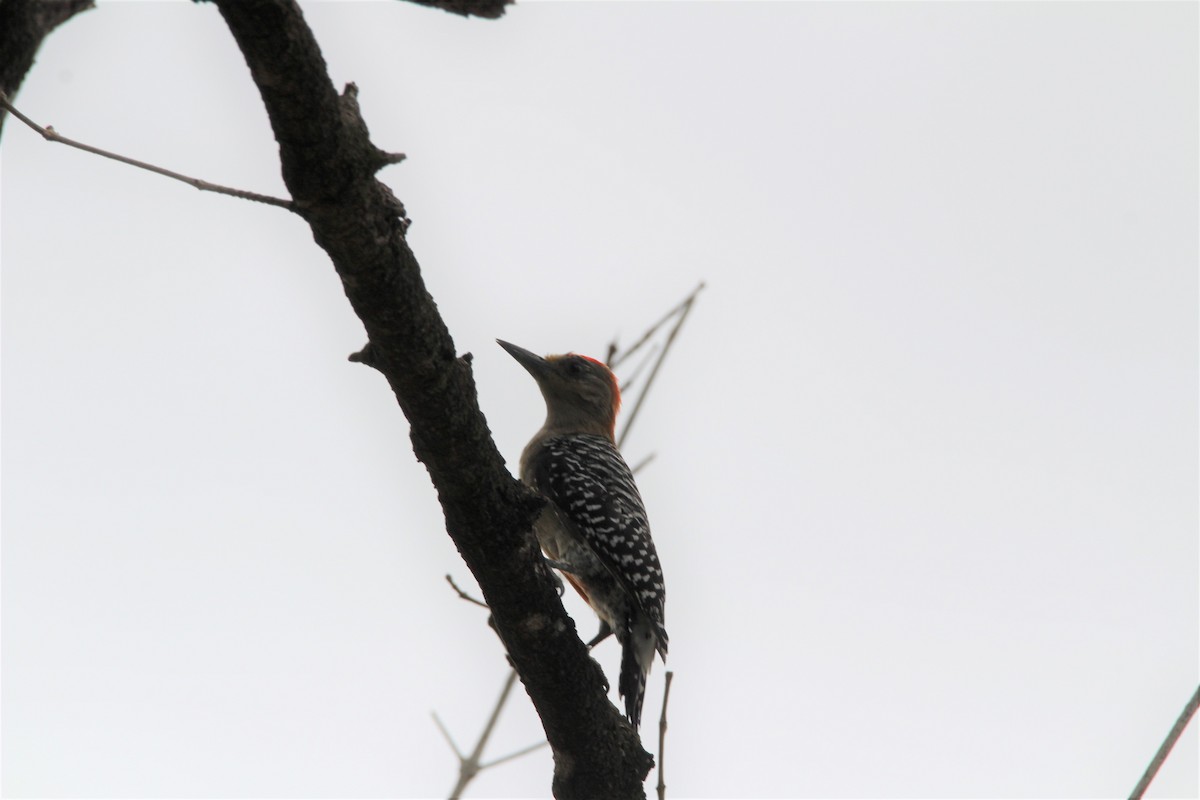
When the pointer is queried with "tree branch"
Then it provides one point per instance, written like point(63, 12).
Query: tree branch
point(328, 165)
point(662, 738)
point(490, 9)
point(682, 311)
point(616, 355)
point(51, 135)
point(1164, 750)
point(472, 765)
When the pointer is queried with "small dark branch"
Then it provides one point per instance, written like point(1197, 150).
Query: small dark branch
point(683, 310)
point(662, 739)
point(488, 9)
point(365, 356)
point(612, 352)
point(353, 120)
point(615, 359)
point(24, 25)
point(51, 135)
point(1185, 716)
point(463, 594)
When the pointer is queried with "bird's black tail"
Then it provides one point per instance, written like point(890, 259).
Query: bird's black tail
point(632, 684)
point(638, 646)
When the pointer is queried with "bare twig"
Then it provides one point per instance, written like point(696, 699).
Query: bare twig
point(51, 135)
point(445, 733)
point(612, 352)
point(517, 754)
point(662, 736)
point(635, 469)
point(614, 359)
point(631, 381)
point(463, 594)
point(470, 766)
point(1189, 711)
point(683, 309)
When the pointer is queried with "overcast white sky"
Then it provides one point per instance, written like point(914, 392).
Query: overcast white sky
point(926, 478)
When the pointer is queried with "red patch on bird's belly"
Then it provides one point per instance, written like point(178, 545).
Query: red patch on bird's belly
point(578, 587)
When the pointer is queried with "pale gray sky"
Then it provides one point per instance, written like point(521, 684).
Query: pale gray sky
point(926, 480)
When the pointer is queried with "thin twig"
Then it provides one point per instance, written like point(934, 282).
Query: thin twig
point(463, 594)
point(449, 739)
point(662, 736)
point(612, 352)
point(1188, 712)
point(684, 309)
point(517, 754)
point(49, 134)
point(613, 359)
point(470, 766)
point(641, 464)
point(631, 381)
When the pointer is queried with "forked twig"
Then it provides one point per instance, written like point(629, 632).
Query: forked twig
point(615, 358)
point(662, 736)
point(631, 381)
point(1188, 712)
point(682, 310)
point(49, 134)
point(472, 765)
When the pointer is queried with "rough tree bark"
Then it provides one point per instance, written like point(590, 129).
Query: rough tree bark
point(491, 9)
point(329, 165)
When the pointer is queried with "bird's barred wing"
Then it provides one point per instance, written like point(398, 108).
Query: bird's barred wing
point(591, 485)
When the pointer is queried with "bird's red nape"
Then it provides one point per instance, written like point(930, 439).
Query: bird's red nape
point(616, 385)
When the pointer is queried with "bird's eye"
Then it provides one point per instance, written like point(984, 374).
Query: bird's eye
point(576, 367)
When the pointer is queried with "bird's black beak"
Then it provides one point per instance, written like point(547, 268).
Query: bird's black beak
point(535, 364)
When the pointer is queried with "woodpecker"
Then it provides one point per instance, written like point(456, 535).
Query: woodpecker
point(594, 527)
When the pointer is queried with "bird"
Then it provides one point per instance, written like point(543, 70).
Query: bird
point(594, 527)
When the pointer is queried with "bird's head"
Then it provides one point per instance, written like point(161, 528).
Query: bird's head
point(582, 394)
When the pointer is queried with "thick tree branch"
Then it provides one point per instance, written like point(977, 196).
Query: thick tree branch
point(23, 26)
point(329, 164)
point(491, 9)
